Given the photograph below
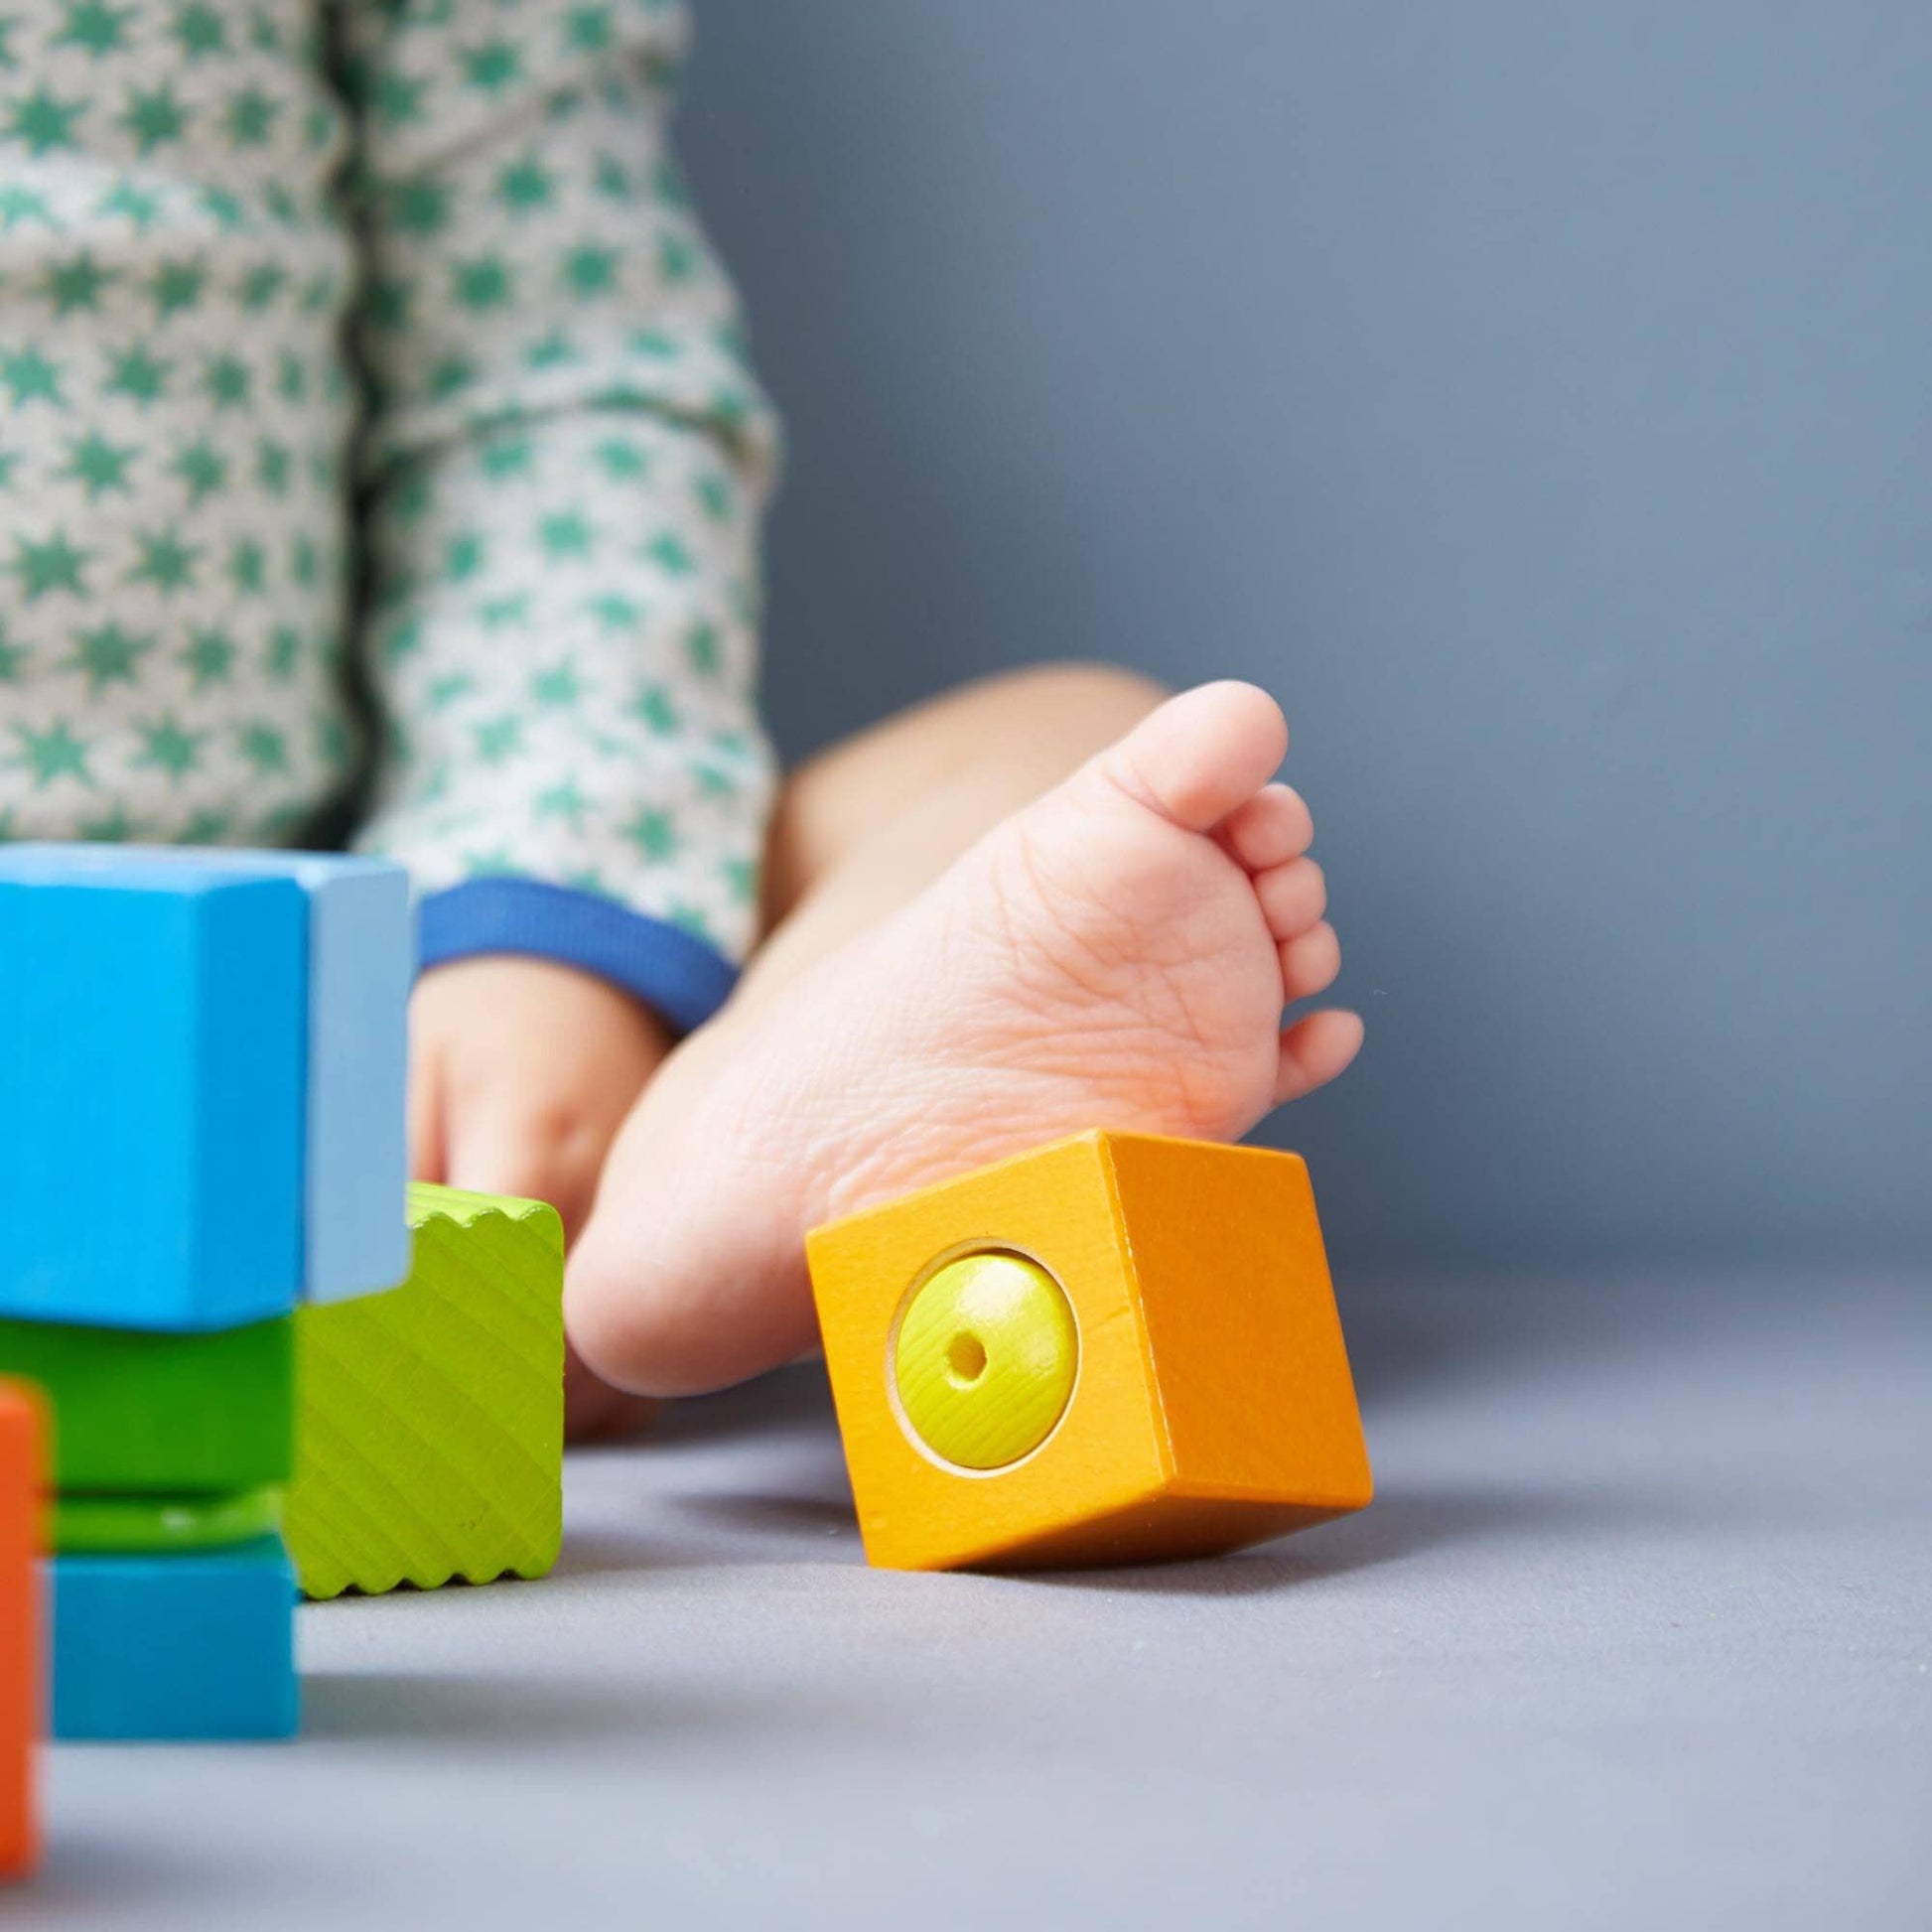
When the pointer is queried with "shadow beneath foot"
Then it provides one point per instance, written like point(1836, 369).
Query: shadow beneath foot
point(799, 1518)
point(787, 1400)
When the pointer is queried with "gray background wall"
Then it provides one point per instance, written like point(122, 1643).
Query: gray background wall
point(1536, 397)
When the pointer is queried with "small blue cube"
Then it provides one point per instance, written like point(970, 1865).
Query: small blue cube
point(153, 1082)
point(361, 960)
point(190, 1647)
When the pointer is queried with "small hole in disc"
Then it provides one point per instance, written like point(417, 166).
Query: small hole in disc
point(966, 1358)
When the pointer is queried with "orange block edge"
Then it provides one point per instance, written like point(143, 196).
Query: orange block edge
point(23, 1437)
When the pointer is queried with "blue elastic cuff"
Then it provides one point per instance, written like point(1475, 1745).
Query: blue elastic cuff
point(674, 973)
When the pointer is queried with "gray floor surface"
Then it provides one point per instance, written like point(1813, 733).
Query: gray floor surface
point(1637, 1635)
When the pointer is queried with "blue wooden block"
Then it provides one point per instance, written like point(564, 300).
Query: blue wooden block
point(188, 1647)
point(153, 1035)
point(362, 961)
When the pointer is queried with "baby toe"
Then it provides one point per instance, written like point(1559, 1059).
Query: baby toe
point(1309, 962)
point(1314, 1050)
point(1293, 897)
point(1201, 755)
point(1273, 827)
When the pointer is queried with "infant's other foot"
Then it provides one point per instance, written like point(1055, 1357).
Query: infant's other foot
point(1116, 955)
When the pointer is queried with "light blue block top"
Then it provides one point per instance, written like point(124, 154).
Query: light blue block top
point(153, 1035)
point(362, 961)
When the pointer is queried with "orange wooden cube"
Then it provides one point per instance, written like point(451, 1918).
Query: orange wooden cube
point(1114, 1349)
point(22, 1430)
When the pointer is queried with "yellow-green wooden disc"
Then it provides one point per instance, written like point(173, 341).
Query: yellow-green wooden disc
point(154, 1525)
point(984, 1362)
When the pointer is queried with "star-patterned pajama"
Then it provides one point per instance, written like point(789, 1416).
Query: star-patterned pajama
point(363, 361)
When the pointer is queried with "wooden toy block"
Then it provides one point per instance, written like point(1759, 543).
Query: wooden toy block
point(1114, 1348)
point(152, 1040)
point(429, 1422)
point(361, 958)
point(139, 1413)
point(22, 1433)
point(153, 1524)
point(197, 1646)
point(362, 963)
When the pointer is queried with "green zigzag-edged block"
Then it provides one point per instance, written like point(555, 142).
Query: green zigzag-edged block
point(429, 1421)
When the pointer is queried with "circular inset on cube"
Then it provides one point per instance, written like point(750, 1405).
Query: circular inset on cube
point(985, 1360)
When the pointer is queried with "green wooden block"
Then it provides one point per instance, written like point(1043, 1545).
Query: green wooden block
point(154, 1414)
point(429, 1419)
point(154, 1525)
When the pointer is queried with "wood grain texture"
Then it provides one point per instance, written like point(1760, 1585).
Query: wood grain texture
point(985, 1360)
point(429, 1421)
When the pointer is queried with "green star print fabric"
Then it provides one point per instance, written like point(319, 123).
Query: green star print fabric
point(379, 343)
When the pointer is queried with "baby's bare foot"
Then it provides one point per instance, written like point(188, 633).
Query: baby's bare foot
point(1116, 955)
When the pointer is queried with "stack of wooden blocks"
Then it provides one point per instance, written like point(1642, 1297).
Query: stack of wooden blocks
point(202, 1066)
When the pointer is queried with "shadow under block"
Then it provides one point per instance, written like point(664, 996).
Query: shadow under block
point(197, 1646)
point(152, 1046)
point(22, 1433)
point(361, 960)
point(152, 1414)
point(1211, 1404)
point(429, 1421)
